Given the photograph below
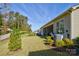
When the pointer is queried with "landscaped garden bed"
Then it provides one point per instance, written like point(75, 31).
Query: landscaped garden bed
point(65, 45)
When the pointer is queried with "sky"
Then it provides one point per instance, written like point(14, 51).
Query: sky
point(40, 13)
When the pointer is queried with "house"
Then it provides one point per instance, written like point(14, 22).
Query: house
point(66, 23)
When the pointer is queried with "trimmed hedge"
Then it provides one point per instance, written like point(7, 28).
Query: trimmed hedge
point(15, 40)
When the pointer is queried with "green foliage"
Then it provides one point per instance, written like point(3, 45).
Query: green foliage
point(77, 40)
point(23, 32)
point(59, 43)
point(77, 8)
point(19, 21)
point(48, 37)
point(0, 33)
point(49, 40)
point(68, 41)
point(31, 34)
point(1, 20)
point(15, 40)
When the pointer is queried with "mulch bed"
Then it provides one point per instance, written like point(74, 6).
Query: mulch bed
point(72, 50)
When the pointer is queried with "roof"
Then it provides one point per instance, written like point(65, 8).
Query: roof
point(56, 19)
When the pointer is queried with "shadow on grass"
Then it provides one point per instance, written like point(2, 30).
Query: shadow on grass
point(49, 52)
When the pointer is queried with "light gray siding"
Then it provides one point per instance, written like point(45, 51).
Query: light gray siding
point(67, 26)
point(75, 24)
point(66, 21)
point(71, 24)
point(54, 28)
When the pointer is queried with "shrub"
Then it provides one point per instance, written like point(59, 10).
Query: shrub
point(77, 40)
point(48, 37)
point(31, 34)
point(15, 40)
point(68, 41)
point(59, 43)
point(0, 33)
point(22, 32)
point(49, 40)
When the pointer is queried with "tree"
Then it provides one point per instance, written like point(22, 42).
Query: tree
point(15, 38)
point(1, 20)
point(0, 24)
point(19, 21)
point(11, 19)
point(24, 26)
point(5, 9)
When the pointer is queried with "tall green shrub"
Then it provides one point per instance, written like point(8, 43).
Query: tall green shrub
point(15, 40)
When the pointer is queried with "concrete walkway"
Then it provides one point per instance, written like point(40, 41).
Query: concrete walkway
point(5, 36)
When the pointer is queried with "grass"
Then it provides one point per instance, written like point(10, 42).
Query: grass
point(31, 45)
point(48, 52)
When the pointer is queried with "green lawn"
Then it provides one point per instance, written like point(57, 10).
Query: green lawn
point(31, 45)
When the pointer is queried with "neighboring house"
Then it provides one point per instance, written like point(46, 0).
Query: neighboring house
point(66, 23)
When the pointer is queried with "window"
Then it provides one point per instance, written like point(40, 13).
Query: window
point(60, 27)
point(57, 24)
point(57, 27)
point(62, 20)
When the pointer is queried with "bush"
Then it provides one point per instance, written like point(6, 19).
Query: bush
point(68, 41)
point(49, 40)
point(77, 40)
point(31, 34)
point(59, 43)
point(0, 33)
point(48, 37)
point(15, 40)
